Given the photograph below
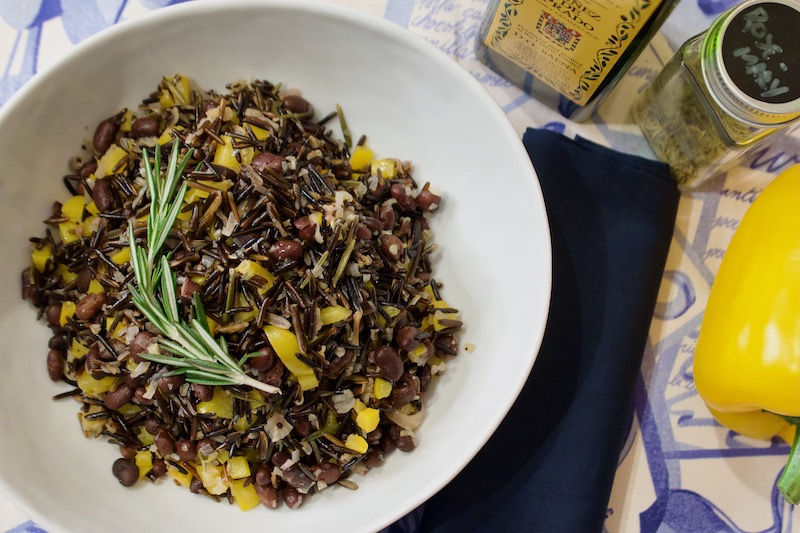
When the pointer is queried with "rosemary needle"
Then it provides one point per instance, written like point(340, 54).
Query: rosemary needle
point(195, 353)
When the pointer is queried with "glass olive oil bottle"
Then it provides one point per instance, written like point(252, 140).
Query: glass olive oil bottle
point(568, 54)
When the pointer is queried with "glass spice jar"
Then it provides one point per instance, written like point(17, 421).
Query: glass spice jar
point(725, 91)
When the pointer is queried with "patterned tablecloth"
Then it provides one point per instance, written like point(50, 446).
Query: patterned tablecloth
point(679, 471)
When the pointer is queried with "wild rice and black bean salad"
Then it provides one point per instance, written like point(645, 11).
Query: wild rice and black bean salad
point(238, 300)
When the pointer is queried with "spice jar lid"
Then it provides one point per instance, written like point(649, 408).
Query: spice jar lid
point(751, 62)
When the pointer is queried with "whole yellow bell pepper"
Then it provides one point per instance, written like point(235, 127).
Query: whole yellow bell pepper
point(747, 358)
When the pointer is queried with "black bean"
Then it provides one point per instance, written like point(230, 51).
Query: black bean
point(170, 384)
point(153, 425)
point(328, 473)
point(296, 104)
point(286, 249)
point(203, 393)
point(424, 375)
point(118, 397)
point(387, 217)
point(104, 135)
point(128, 452)
point(53, 314)
point(363, 232)
point(83, 280)
point(141, 342)
point(159, 467)
point(392, 246)
point(188, 288)
point(404, 443)
point(186, 449)
point(263, 160)
point(58, 342)
point(268, 496)
point(89, 305)
point(263, 475)
point(306, 228)
point(406, 337)
point(292, 497)
point(404, 391)
point(374, 458)
point(295, 477)
point(403, 198)
point(144, 127)
point(139, 395)
point(427, 201)
point(279, 458)
point(125, 471)
point(338, 364)
point(265, 360)
point(93, 363)
point(389, 363)
point(374, 225)
point(165, 442)
point(55, 364)
point(302, 426)
point(103, 195)
point(88, 168)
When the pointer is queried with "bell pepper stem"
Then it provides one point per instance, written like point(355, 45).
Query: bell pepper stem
point(789, 483)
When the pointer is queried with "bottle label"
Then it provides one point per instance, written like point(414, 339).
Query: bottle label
point(760, 52)
point(571, 45)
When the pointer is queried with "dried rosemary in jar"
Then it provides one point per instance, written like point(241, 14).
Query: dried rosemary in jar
point(725, 90)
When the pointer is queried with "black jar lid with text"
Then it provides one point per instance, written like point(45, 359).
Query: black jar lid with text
point(751, 61)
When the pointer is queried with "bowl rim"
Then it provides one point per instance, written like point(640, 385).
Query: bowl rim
point(365, 20)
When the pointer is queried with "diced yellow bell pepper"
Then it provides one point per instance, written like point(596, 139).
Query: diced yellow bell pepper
point(95, 388)
point(121, 325)
point(285, 344)
point(224, 155)
point(122, 257)
point(417, 353)
point(381, 388)
point(77, 350)
point(241, 424)
point(166, 136)
point(40, 257)
point(145, 437)
point(176, 91)
point(360, 157)
point(65, 274)
point(87, 226)
point(211, 476)
point(438, 315)
point(180, 477)
point(144, 460)
point(260, 133)
point(194, 195)
point(110, 162)
point(238, 467)
point(385, 168)
point(220, 404)
point(250, 269)
point(73, 208)
point(67, 311)
point(333, 314)
point(246, 497)
point(92, 208)
point(127, 121)
point(129, 409)
point(391, 311)
point(95, 287)
point(356, 443)
point(66, 230)
point(368, 419)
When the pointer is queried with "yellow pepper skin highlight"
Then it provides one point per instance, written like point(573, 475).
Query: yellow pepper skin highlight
point(747, 358)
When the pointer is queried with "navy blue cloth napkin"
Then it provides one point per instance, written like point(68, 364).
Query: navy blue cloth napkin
point(551, 464)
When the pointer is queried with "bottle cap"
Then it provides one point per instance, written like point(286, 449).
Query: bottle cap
point(751, 62)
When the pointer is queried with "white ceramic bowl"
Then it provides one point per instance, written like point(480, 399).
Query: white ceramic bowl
point(414, 103)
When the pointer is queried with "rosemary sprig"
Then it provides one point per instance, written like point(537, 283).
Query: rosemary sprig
point(195, 352)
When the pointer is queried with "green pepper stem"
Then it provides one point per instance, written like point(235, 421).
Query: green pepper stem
point(789, 483)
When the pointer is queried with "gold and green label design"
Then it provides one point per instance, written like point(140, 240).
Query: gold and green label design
point(571, 45)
